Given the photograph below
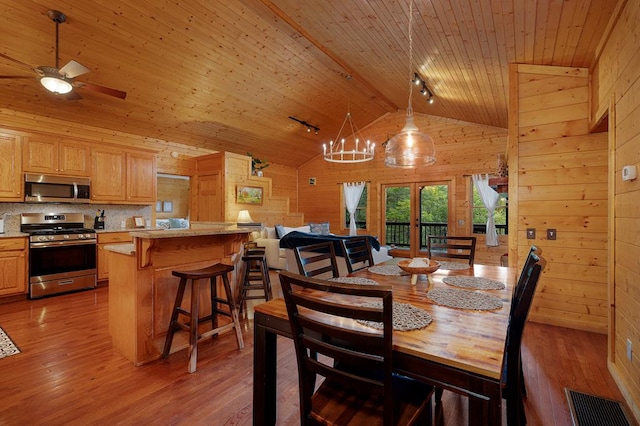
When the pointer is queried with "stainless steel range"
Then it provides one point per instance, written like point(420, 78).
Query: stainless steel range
point(62, 253)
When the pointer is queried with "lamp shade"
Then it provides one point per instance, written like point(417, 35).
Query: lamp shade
point(244, 217)
point(410, 147)
point(55, 84)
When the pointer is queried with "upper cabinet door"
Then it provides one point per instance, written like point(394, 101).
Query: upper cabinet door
point(141, 177)
point(42, 154)
point(107, 174)
point(74, 158)
point(11, 180)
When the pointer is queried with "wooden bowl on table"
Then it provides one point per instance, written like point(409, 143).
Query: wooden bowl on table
point(417, 270)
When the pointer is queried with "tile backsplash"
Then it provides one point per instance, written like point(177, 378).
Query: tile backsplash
point(115, 215)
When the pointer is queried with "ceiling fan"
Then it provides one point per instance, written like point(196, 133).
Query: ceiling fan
point(61, 81)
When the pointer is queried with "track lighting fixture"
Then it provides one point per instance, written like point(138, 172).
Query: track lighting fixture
point(417, 80)
point(309, 127)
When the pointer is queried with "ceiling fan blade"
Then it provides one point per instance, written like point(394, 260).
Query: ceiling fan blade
point(2, 55)
point(101, 89)
point(73, 69)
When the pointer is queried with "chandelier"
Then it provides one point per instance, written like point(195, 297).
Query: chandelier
point(410, 147)
point(351, 148)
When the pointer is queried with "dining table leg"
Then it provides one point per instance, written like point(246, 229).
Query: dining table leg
point(264, 373)
point(486, 412)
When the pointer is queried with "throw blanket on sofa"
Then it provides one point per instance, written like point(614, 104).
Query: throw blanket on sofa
point(296, 238)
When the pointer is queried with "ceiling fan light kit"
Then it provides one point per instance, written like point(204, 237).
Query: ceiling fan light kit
point(410, 147)
point(53, 81)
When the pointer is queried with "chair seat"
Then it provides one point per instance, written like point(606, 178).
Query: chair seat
point(209, 271)
point(337, 404)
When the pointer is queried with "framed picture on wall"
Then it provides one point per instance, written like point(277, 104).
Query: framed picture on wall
point(167, 206)
point(249, 194)
point(158, 206)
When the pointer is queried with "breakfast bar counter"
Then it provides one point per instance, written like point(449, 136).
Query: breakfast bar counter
point(142, 288)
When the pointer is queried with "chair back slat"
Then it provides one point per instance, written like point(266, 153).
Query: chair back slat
point(451, 247)
point(357, 253)
point(318, 259)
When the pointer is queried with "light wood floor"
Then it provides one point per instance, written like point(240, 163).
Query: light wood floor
point(69, 374)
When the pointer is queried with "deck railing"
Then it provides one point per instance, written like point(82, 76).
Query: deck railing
point(397, 233)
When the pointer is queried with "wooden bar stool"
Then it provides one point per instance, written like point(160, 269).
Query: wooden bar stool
point(211, 273)
point(256, 274)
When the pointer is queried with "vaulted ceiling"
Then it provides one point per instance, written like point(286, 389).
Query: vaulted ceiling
point(228, 74)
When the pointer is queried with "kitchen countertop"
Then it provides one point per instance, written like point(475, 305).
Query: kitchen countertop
point(14, 235)
point(176, 233)
point(127, 249)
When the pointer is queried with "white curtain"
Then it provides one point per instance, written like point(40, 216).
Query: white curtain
point(490, 200)
point(352, 193)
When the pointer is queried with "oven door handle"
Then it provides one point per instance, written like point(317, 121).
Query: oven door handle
point(62, 243)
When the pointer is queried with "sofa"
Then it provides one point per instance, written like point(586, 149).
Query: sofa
point(284, 258)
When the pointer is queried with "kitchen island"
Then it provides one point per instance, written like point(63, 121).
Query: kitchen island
point(142, 289)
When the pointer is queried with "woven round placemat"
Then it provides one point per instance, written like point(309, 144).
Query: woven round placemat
point(464, 299)
point(453, 266)
point(387, 270)
point(405, 317)
point(353, 280)
point(476, 283)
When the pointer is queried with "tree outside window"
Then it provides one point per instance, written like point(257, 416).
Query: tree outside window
point(479, 214)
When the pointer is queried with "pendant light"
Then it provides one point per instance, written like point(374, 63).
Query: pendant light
point(410, 147)
point(345, 149)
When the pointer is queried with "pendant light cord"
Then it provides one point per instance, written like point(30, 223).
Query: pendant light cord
point(410, 108)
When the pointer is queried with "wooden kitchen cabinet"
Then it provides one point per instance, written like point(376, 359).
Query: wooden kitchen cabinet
point(123, 176)
point(11, 180)
point(107, 174)
point(13, 264)
point(109, 238)
point(48, 155)
point(141, 177)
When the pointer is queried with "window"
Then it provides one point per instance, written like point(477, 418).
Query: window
point(361, 210)
point(479, 214)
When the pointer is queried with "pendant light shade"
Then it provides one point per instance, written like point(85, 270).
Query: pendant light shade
point(410, 147)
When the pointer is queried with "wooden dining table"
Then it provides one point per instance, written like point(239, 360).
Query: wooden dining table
point(461, 350)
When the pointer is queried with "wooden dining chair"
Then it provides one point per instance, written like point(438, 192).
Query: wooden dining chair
point(357, 253)
point(529, 261)
point(317, 259)
point(356, 361)
point(512, 377)
point(442, 246)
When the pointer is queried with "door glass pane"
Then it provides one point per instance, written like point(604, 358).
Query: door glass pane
point(434, 212)
point(397, 216)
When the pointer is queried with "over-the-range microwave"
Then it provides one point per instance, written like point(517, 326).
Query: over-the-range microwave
point(56, 189)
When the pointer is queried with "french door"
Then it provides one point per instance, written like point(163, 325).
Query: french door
point(411, 211)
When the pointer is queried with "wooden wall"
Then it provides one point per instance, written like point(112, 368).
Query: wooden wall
point(236, 173)
point(616, 85)
point(462, 149)
point(558, 175)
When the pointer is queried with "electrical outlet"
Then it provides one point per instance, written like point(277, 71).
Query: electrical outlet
point(531, 233)
point(629, 350)
point(551, 234)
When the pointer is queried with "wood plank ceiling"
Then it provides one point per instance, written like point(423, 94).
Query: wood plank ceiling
point(226, 75)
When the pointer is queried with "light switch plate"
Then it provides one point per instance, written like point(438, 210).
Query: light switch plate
point(531, 233)
point(551, 234)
